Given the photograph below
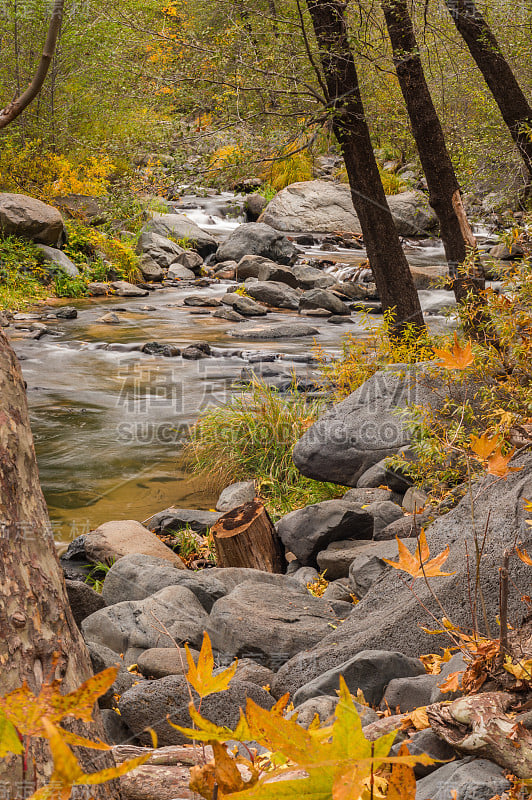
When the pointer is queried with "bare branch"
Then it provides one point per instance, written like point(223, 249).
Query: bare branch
point(17, 106)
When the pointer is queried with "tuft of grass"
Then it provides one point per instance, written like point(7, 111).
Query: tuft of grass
point(295, 167)
point(97, 574)
point(252, 436)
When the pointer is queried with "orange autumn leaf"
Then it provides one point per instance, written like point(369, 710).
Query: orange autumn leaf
point(452, 683)
point(419, 563)
point(457, 357)
point(523, 555)
point(498, 464)
point(402, 781)
point(418, 719)
point(483, 446)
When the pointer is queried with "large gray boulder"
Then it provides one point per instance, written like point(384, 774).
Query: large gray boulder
point(58, 260)
point(368, 565)
point(83, 600)
point(390, 612)
point(369, 670)
point(126, 289)
point(135, 625)
point(136, 577)
point(244, 305)
point(159, 662)
point(150, 703)
point(312, 278)
point(175, 519)
point(318, 206)
point(179, 226)
point(308, 530)
point(235, 495)
point(362, 429)
point(412, 214)
point(321, 298)
point(406, 694)
point(326, 207)
point(29, 218)
point(467, 779)
point(271, 624)
point(281, 330)
point(275, 294)
point(263, 269)
point(150, 269)
point(159, 248)
point(336, 559)
point(255, 238)
point(113, 540)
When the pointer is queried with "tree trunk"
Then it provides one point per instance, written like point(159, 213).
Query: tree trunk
point(386, 257)
point(444, 190)
point(17, 106)
point(39, 640)
point(245, 537)
point(485, 49)
point(477, 725)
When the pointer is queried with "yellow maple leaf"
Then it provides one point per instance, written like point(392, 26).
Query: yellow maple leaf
point(523, 555)
point(457, 357)
point(201, 676)
point(522, 670)
point(483, 446)
point(419, 563)
point(433, 662)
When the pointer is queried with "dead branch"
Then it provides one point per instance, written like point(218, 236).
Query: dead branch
point(17, 106)
point(479, 725)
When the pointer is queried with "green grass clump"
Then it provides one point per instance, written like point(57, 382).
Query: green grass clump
point(252, 437)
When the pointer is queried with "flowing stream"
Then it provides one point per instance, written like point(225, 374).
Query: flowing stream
point(110, 422)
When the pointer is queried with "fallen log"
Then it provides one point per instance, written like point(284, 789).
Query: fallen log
point(246, 537)
point(478, 725)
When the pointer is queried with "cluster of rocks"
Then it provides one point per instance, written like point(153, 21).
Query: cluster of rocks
point(289, 639)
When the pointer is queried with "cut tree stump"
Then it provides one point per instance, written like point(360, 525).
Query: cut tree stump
point(245, 537)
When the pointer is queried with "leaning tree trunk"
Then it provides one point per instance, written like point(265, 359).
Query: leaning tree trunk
point(444, 190)
point(39, 640)
point(386, 257)
point(17, 106)
point(486, 51)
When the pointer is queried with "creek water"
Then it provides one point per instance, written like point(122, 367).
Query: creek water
point(110, 423)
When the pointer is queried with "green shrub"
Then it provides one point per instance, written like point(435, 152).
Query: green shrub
point(22, 278)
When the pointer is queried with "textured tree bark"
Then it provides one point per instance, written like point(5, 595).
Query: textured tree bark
point(477, 725)
point(17, 106)
point(39, 640)
point(444, 190)
point(386, 257)
point(486, 51)
point(245, 537)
